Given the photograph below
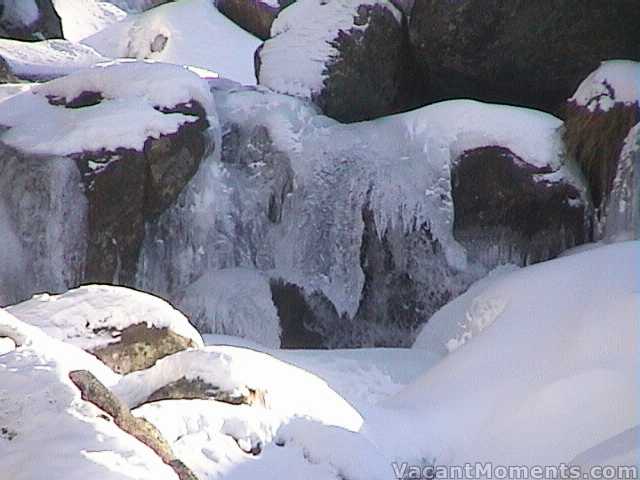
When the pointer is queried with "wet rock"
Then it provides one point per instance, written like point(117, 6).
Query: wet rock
point(255, 16)
point(517, 52)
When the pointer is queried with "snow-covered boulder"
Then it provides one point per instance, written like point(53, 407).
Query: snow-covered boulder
point(522, 53)
point(132, 131)
point(29, 20)
point(82, 18)
point(347, 56)
point(255, 16)
point(48, 59)
point(602, 133)
point(532, 350)
point(185, 32)
point(43, 416)
point(126, 329)
point(253, 378)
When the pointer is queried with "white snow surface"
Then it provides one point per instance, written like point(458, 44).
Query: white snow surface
point(185, 32)
point(553, 372)
point(82, 18)
point(47, 59)
point(615, 81)
point(92, 316)
point(125, 118)
point(235, 301)
point(294, 59)
point(48, 430)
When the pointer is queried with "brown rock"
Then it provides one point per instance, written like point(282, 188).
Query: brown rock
point(140, 347)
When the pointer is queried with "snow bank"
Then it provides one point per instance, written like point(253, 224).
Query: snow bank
point(47, 59)
point(235, 302)
point(186, 32)
point(615, 81)
point(43, 417)
point(289, 391)
point(295, 58)
point(550, 374)
point(91, 316)
point(128, 114)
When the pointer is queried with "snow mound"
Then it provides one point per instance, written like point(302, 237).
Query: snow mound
point(564, 342)
point(128, 113)
point(289, 391)
point(88, 316)
point(186, 32)
point(234, 302)
point(42, 416)
point(47, 59)
point(615, 81)
point(82, 18)
point(295, 58)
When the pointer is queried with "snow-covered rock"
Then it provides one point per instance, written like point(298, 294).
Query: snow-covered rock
point(349, 57)
point(543, 363)
point(358, 219)
point(48, 59)
point(43, 416)
point(29, 20)
point(516, 52)
point(185, 32)
point(235, 301)
point(126, 329)
point(240, 372)
point(129, 130)
point(254, 16)
point(602, 132)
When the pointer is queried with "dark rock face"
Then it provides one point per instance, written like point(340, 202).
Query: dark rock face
point(254, 16)
point(140, 347)
point(518, 52)
point(595, 139)
point(93, 391)
point(370, 76)
point(503, 212)
point(126, 187)
point(47, 25)
point(302, 316)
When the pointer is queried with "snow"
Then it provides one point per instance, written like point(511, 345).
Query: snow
point(47, 59)
point(45, 419)
point(294, 59)
point(92, 316)
point(554, 374)
point(615, 81)
point(234, 302)
point(185, 32)
point(622, 449)
point(83, 18)
point(125, 118)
